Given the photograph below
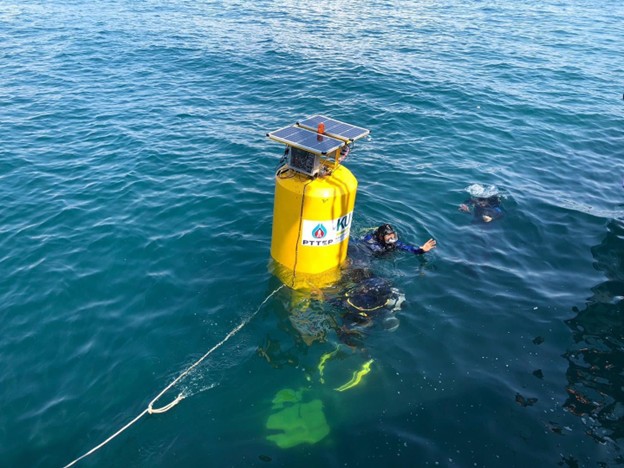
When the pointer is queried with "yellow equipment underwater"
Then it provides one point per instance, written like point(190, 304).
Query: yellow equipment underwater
point(324, 358)
point(296, 421)
point(314, 201)
point(356, 378)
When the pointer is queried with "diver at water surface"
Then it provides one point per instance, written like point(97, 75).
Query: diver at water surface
point(484, 203)
point(385, 239)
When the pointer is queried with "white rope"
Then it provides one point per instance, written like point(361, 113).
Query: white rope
point(150, 408)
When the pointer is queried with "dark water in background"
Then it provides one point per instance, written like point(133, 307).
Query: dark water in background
point(136, 186)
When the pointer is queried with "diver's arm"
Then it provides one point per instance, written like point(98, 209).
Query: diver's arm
point(426, 247)
point(492, 213)
point(409, 248)
point(370, 242)
point(467, 206)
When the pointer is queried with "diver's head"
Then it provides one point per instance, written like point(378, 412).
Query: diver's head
point(386, 236)
point(493, 200)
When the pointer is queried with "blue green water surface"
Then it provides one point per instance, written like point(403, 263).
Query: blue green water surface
point(136, 189)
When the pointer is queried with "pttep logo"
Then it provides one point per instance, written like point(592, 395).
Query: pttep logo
point(319, 231)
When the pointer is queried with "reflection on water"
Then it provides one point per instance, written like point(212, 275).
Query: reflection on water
point(596, 363)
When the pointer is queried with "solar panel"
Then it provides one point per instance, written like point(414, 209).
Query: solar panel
point(334, 128)
point(306, 140)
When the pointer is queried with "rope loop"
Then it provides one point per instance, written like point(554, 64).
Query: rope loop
point(164, 409)
point(150, 408)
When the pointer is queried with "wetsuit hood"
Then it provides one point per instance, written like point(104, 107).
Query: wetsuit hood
point(383, 231)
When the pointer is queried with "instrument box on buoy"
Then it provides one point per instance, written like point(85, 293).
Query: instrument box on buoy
point(314, 196)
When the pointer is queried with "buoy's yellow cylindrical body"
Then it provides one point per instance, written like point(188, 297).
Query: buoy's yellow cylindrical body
point(312, 221)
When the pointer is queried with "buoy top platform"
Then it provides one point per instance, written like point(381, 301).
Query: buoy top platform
point(314, 200)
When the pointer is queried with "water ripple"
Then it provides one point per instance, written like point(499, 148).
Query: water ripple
point(137, 189)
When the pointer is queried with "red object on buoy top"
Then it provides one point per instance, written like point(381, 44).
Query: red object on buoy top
point(321, 128)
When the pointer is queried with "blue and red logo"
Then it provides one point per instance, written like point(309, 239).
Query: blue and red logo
point(319, 231)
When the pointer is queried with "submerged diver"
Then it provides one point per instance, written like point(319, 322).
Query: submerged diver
point(370, 300)
point(385, 239)
point(484, 203)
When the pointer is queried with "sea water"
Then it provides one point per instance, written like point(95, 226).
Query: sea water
point(136, 187)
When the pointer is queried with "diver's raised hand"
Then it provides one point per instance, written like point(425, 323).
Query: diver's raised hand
point(430, 244)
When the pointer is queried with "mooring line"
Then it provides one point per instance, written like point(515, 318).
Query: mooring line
point(150, 408)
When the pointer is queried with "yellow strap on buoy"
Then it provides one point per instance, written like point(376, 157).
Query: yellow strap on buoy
point(357, 377)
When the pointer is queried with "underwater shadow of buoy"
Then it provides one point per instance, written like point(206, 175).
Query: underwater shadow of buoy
point(296, 422)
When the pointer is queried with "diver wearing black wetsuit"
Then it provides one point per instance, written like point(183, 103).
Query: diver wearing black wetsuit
point(385, 239)
point(371, 297)
point(372, 300)
point(484, 209)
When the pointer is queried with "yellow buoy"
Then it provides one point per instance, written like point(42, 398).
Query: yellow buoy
point(312, 219)
point(314, 201)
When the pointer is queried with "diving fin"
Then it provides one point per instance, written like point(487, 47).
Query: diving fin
point(357, 377)
point(324, 358)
